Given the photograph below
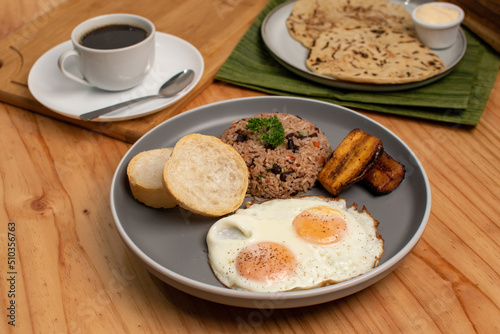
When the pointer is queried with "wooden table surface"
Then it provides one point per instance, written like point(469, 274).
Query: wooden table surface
point(73, 273)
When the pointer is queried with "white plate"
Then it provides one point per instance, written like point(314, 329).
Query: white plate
point(292, 55)
point(66, 97)
point(171, 242)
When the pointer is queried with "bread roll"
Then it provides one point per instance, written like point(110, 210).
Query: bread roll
point(145, 175)
point(206, 176)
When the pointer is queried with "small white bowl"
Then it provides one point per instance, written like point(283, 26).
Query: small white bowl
point(438, 35)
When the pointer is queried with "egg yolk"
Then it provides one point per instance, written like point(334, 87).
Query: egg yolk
point(266, 261)
point(320, 225)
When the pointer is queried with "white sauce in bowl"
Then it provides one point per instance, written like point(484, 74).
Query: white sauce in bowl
point(435, 14)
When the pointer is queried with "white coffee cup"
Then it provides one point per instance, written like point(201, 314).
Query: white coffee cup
point(111, 69)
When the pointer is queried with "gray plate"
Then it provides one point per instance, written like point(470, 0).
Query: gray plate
point(292, 55)
point(171, 242)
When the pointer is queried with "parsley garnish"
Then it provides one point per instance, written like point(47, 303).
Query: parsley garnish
point(271, 130)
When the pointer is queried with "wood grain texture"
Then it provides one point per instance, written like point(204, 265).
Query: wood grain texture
point(75, 275)
point(481, 16)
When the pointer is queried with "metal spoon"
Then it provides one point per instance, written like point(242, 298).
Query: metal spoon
point(170, 88)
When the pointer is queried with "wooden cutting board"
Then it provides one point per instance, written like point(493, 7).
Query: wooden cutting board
point(483, 18)
point(213, 27)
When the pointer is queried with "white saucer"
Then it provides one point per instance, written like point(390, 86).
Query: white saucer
point(66, 97)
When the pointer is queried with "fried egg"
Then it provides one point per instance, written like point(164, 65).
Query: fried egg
point(293, 244)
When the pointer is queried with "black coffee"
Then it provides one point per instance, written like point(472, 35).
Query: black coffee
point(113, 37)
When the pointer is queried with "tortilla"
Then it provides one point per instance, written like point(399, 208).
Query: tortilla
point(373, 54)
point(311, 17)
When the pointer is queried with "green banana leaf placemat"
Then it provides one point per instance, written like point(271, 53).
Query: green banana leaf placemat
point(460, 97)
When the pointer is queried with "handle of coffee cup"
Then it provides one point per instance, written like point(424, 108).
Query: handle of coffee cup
point(62, 60)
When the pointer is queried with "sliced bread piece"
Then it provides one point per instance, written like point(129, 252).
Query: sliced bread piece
point(145, 175)
point(206, 176)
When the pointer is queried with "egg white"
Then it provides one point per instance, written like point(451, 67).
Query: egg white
point(318, 265)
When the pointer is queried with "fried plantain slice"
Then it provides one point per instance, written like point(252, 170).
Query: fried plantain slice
point(350, 161)
point(385, 175)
